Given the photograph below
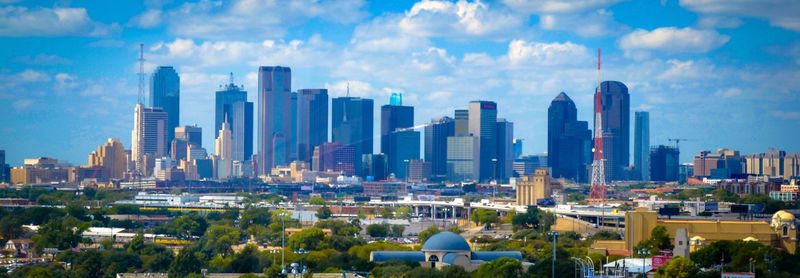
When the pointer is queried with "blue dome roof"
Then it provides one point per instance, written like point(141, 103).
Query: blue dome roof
point(446, 241)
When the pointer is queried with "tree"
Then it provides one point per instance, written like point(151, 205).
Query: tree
point(324, 212)
point(484, 216)
point(317, 201)
point(309, 239)
point(246, 261)
point(659, 240)
point(455, 271)
point(678, 267)
point(397, 230)
point(185, 263)
point(219, 238)
point(255, 216)
point(403, 212)
point(58, 234)
point(424, 235)
point(378, 230)
point(500, 268)
point(387, 213)
point(723, 195)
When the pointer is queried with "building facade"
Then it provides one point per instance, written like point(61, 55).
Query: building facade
point(641, 145)
point(505, 151)
point(149, 136)
point(374, 167)
point(483, 126)
point(110, 155)
point(615, 127)
point(231, 106)
point(664, 163)
point(436, 134)
point(533, 188)
point(312, 121)
point(396, 120)
point(274, 117)
point(165, 92)
point(352, 124)
point(567, 140)
point(334, 156)
point(460, 158)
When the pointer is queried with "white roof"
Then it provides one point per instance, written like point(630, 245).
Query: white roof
point(633, 265)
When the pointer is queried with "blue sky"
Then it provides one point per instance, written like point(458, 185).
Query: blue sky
point(722, 74)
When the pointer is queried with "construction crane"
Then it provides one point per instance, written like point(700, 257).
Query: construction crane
point(678, 141)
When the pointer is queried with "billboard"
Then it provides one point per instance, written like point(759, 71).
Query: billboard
point(660, 260)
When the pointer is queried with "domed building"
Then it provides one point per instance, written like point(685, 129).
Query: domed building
point(443, 249)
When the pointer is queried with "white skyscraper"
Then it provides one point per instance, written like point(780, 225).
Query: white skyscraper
point(149, 135)
point(224, 151)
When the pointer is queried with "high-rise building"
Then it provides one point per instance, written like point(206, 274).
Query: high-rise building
point(232, 107)
point(641, 145)
point(374, 166)
point(518, 147)
point(334, 156)
point(192, 134)
point(664, 164)
point(505, 150)
point(224, 151)
point(526, 165)
point(165, 92)
point(395, 120)
point(179, 148)
point(110, 155)
point(4, 176)
point(419, 170)
point(274, 117)
point(533, 188)
point(352, 124)
point(615, 127)
point(483, 126)
point(293, 136)
point(773, 163)
point(405, 147)
point(723, 164)
point(436, 134)
point(568, 140)
point(312, 121)
point(460, 158)
point(149, 135)
point(461, 118)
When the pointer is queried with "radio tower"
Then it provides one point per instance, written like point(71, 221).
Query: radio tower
point(141, 73)
point(597, 192)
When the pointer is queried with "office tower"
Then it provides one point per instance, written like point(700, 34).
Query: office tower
point(773, 163)
point(664, 163)
point(723, 164)
point(162, 165)
point(274, 117)
point(396, 99)
point(110, 155)
point(405, 148)
point(352, 124)
point(165, 92)
point(395, 119)
point(461, 118)
point(4, 177)
point(615, 127)
point(533, 188)
point(374, 167)
point(312, 121)
point(526, 165)
point(39, 170)
point(232, 107)
point(641, 144)
point(505, 150)
point(179, 148)
point(334, 156)
point(149, 135)
point(567, 140)
point(191, 134)
point(518, 148)
point(293, 137)
point(436, 134)
point(419, 170)
point(483, 126)
point(224, 151)
point(460, 158)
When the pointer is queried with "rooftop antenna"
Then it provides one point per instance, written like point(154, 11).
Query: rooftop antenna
point(347, 94)
point(348, 90)
point(141, 74)
point(231, 79)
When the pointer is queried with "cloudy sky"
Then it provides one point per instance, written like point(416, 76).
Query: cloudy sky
point(723, 73)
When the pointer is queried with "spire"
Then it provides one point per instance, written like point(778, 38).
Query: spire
point(141, 74)
point(231, 78)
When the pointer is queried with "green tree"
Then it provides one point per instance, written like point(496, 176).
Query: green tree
point(397, 230)
point(378, 230)
point(678, 267)
point(246, 261)
point(219, 239)
point(723, 195)
point(59, 234)
point(317, 200)
point(659, 240)
point(255, 216)
point(403, 212)
point(309, 239)
point(499, 268)
point(324, 212)
point(387, 213)
point(424, 235)
point(185, 263)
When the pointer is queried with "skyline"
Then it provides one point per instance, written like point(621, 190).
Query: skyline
point(690, 74)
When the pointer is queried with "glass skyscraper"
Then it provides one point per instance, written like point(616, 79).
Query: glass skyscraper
point(394, 120)
point(641, 144)
point(436, 134)
point(312, 121)
point(568, 140)
point(274, 117)
point(615, 126)
point(505, 149)
point(352, 124)
point(232, 107)
point(483, 126)
point(165, 92)
point(664, 165)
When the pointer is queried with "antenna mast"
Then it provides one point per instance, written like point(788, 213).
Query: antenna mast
point(597, 191)
point(141, 74)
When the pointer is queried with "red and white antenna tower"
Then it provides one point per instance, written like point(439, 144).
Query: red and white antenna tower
point(597, 191)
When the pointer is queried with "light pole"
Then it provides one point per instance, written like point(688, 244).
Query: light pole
point(494, 177)
point(553, 270)
point(302, 252)
point(406, 161)
point(644, 252)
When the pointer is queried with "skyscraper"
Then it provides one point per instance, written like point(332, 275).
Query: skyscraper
point(518, 147)
point(461, 122)
point(436, 134)
point(664, 163)
point(395, 119)
point(483, 126)
point(165, 92)
point(293, 137)
point(352, 124)
point(615, 127)
point(192, 134)
point(568, 140)
point(232, 106)
point(224, 151)
point(110, 155)
point(334, 156)
point(312, 121)
point(641, 144)
point(149, 135)
point(404, 147)
point(460, 158)
point(274, 117)
point(505, 150)
point(374, 166)
point(4, 177)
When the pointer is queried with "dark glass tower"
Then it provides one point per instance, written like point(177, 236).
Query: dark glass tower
point(165, 92)
point(312, 121)
point(395, 119)
point(567, 140)
point(505, 149)
point(615, 127)
point(641, 145)
point(274, 117)
point(436, 144)
point(483, 126)
point(352, 124)
point(232, 107)
point(664, 165)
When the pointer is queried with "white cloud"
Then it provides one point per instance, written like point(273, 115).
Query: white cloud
point(22, 104)
point(709, 22)
point(448, 19)
point(356, 89)
point(728, 92)
point(558, 6)
point(671, 39)
point(523, 53)
point(147, 19)
point(43, 59)
point(253, 18)
point(781, 13)
point(786, 115)
point(32, 76)
point(689, 69)
point(590, 24)
point(65, 81)
point(21, 21)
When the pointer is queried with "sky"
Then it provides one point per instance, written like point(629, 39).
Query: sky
point(724, 74)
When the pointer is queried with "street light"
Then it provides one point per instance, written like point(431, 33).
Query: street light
point(644, 252)
point(406, 161)
point(553, 270)
point(302, 252)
